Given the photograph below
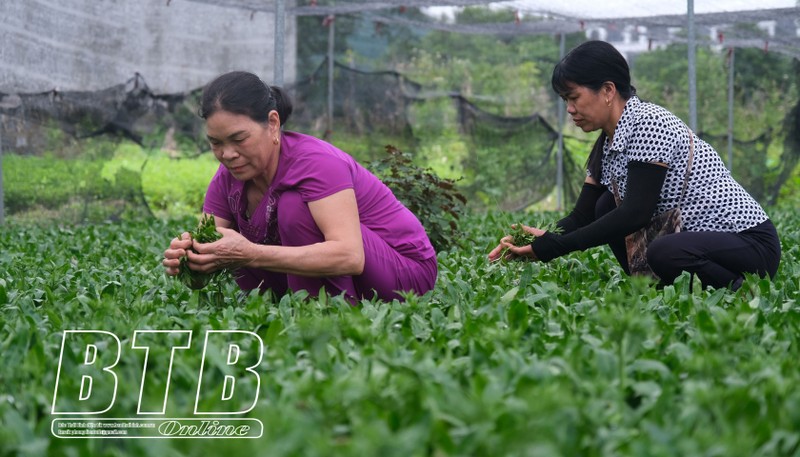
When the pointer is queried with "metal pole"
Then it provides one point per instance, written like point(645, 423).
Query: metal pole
point(692, 67)
point(2, 195)
point(331, 33)
point(731, 54)
point(560, 154)
point(280, 31)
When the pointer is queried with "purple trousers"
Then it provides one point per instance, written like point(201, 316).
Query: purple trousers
point(386, 272)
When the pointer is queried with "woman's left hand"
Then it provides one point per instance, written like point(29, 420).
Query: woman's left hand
point(229, 252)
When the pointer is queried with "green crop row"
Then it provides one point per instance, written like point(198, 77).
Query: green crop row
point(31, 182)
point(168, 186)
point(514, 358)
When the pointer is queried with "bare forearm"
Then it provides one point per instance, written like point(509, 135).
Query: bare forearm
point(329, 258)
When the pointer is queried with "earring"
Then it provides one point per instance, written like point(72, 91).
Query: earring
point(275, 140)
point(608, 103)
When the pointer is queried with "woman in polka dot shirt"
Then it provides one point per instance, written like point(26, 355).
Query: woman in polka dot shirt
point(645, 149)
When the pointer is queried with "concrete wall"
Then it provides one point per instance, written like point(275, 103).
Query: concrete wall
point(176, 45)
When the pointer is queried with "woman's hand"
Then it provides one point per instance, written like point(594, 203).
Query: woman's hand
point(178, 248)
point(513, 251)
point(229, 252)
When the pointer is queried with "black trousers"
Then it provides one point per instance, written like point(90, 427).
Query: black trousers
point(719, 259)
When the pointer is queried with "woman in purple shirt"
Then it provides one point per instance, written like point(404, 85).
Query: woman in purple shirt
point(295, 212)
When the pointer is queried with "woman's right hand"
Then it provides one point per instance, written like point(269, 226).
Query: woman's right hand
point(507, 247)
point(177, 249)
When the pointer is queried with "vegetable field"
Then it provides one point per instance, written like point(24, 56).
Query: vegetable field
point(512, 358)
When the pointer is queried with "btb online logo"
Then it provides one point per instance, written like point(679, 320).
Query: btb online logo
point(90, 380)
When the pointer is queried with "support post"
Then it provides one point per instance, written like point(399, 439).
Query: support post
point(560, 154)
point(692, 66)
point(2, 194)
point(331, 60)
point(731, 55)
point(280, 31)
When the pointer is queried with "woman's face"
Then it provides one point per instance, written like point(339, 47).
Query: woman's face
point(244, 146)
point(588, 108)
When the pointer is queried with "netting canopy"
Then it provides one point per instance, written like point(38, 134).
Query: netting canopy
point(461, 83)
point(178, 45)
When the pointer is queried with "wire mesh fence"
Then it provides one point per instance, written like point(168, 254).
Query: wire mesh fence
point(469, 100)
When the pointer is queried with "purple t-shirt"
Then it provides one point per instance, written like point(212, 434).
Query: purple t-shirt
point(316, 169)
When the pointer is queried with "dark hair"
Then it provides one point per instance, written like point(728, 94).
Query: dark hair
point(244, 93)
point(591, 64)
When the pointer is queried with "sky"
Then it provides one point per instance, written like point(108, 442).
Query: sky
point(597, 9)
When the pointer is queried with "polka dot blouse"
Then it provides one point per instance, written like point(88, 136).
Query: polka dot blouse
point(714, 201)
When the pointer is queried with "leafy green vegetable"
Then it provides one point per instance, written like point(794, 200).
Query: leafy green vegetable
point(206, 232)
point(568, 358)
point(522, 238)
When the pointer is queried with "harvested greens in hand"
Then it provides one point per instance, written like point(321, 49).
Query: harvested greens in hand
point(206, 232)
point(521, 238)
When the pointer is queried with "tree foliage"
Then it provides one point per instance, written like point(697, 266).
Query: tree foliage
point(509, 76)
point(765, 92)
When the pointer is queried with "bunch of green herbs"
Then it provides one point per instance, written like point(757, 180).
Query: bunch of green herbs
point(205, 232)
point(520, 237)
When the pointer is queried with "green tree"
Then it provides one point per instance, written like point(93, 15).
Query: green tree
point(312, 43)
point(505, 76)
